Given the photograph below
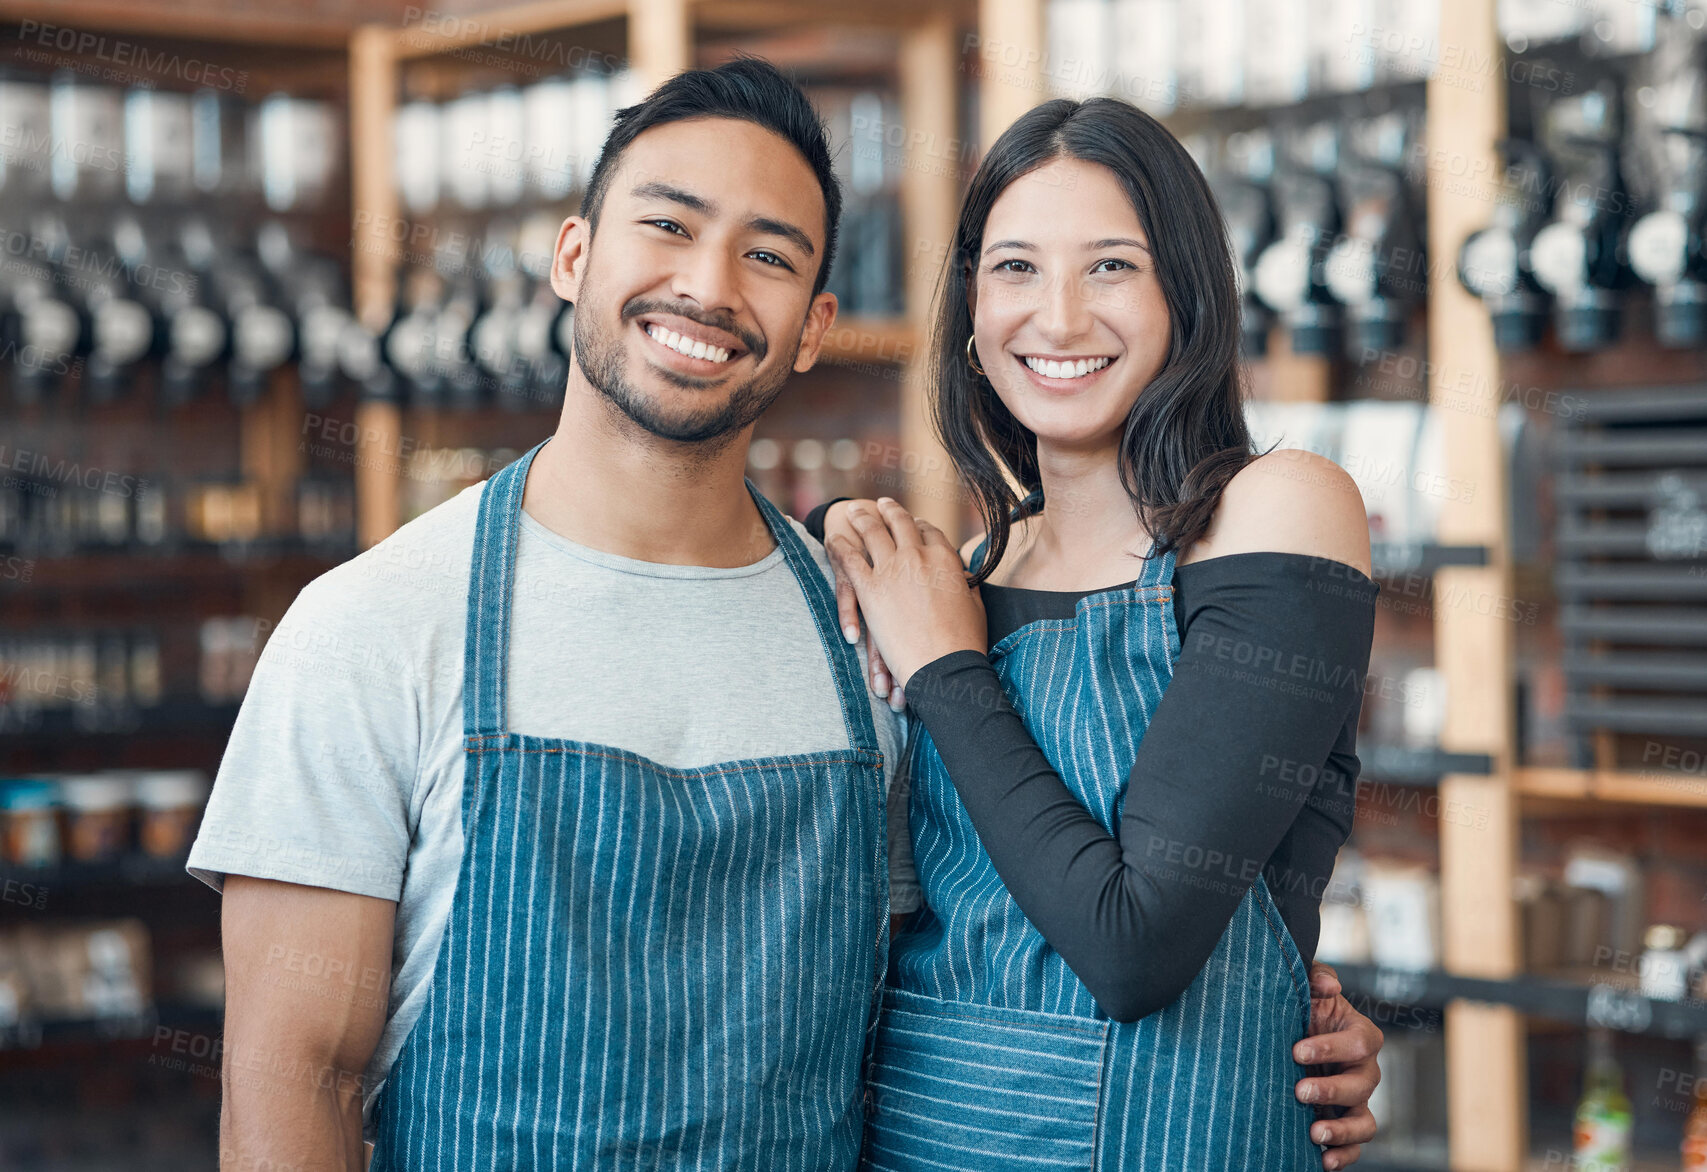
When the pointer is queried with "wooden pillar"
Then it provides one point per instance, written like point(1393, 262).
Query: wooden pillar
point(270, 443)
point(930, 198)
point(1010, 48)
point(373, 265)
point(1297, 378)
point(660, 40)
point(1486, 1073)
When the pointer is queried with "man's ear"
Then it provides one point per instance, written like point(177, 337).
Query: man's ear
point(569, 262)
point(819, 318)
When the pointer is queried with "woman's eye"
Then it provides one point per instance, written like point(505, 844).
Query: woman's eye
point(1012, 266)
point(1111, 265)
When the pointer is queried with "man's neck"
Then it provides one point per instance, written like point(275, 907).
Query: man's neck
point(607, 483)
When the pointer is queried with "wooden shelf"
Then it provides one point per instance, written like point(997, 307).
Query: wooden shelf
point(884, 340)
point(282, 25)
point(1625, 787)
point(501, 27)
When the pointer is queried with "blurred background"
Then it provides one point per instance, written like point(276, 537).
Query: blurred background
point(271, 284)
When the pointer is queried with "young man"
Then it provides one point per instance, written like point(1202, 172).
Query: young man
point(551, 831)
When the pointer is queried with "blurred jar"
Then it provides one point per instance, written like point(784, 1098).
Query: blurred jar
point(169, 804)
point(30, 825)
point(97, 816)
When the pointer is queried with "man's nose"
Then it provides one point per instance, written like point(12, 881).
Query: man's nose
point(707, 276)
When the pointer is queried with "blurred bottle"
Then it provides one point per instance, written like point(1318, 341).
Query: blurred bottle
point(314, 293)
point(188, 333)
point(1602, 1138)
point(807, 457)
point(43, 330)
point(1695, 1128)
point(1577, 257)
point(1494, 262)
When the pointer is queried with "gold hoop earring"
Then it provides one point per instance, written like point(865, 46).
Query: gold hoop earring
point(972, 361)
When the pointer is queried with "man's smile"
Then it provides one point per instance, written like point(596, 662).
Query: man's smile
point(690, 344)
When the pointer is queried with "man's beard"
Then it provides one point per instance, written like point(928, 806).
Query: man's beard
point(604, 364)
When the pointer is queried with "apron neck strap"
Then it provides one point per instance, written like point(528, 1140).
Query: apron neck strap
point(491, 581)
point(821, 601)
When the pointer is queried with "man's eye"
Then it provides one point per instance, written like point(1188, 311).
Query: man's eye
point(668, 226)
point(770, 258)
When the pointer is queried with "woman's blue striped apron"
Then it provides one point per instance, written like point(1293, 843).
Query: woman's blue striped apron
point(646, 967)
point(990, 1054)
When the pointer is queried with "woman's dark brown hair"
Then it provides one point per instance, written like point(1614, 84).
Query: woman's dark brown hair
point(1185, 436)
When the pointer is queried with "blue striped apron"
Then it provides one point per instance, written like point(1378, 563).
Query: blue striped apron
point(990, 1054)
point(646, 967)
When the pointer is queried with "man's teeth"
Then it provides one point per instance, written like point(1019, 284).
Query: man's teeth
point(686, 345)
point(1077, 369)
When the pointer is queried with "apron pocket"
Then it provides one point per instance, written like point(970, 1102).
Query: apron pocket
point(956, 1086)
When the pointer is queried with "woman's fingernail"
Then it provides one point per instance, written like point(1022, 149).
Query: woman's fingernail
point(850, 633)
point(897, 699)
point(880, 681)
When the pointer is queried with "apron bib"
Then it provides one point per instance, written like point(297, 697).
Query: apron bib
point(990, 1054)
point(646, 967)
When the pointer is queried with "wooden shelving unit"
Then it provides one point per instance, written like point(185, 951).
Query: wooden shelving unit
point(661, 36)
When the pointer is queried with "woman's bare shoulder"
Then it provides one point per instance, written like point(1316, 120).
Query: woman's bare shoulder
point(1289, 501)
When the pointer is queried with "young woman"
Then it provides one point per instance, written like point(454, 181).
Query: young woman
point(1136, 760)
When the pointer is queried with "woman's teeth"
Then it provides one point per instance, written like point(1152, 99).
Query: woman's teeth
point(684, 345)
point(1077, 369)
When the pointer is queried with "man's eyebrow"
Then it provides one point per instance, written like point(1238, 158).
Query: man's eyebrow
point(657, 190)
point(784, 229)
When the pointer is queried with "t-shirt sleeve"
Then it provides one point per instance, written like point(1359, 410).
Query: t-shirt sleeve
point(316, 783)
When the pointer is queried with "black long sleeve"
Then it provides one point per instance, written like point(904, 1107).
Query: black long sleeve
point(1247, 767)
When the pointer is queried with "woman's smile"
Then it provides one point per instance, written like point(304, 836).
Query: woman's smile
point(1066, 374)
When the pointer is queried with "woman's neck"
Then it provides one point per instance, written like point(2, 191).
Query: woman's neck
point(1088, 535)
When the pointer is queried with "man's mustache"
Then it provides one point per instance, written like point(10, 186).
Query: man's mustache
point(754, 344)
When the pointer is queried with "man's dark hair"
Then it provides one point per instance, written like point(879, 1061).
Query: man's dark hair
point(750, 89)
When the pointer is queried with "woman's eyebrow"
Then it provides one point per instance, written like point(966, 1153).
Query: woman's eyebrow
point(1122, 242)
point(1111, 242)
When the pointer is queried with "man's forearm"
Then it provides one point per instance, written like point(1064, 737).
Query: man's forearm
point(289, 1112)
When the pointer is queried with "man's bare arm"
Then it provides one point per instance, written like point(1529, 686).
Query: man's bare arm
point(307, 978)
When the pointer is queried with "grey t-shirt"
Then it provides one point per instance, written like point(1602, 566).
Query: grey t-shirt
point(345, 766)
